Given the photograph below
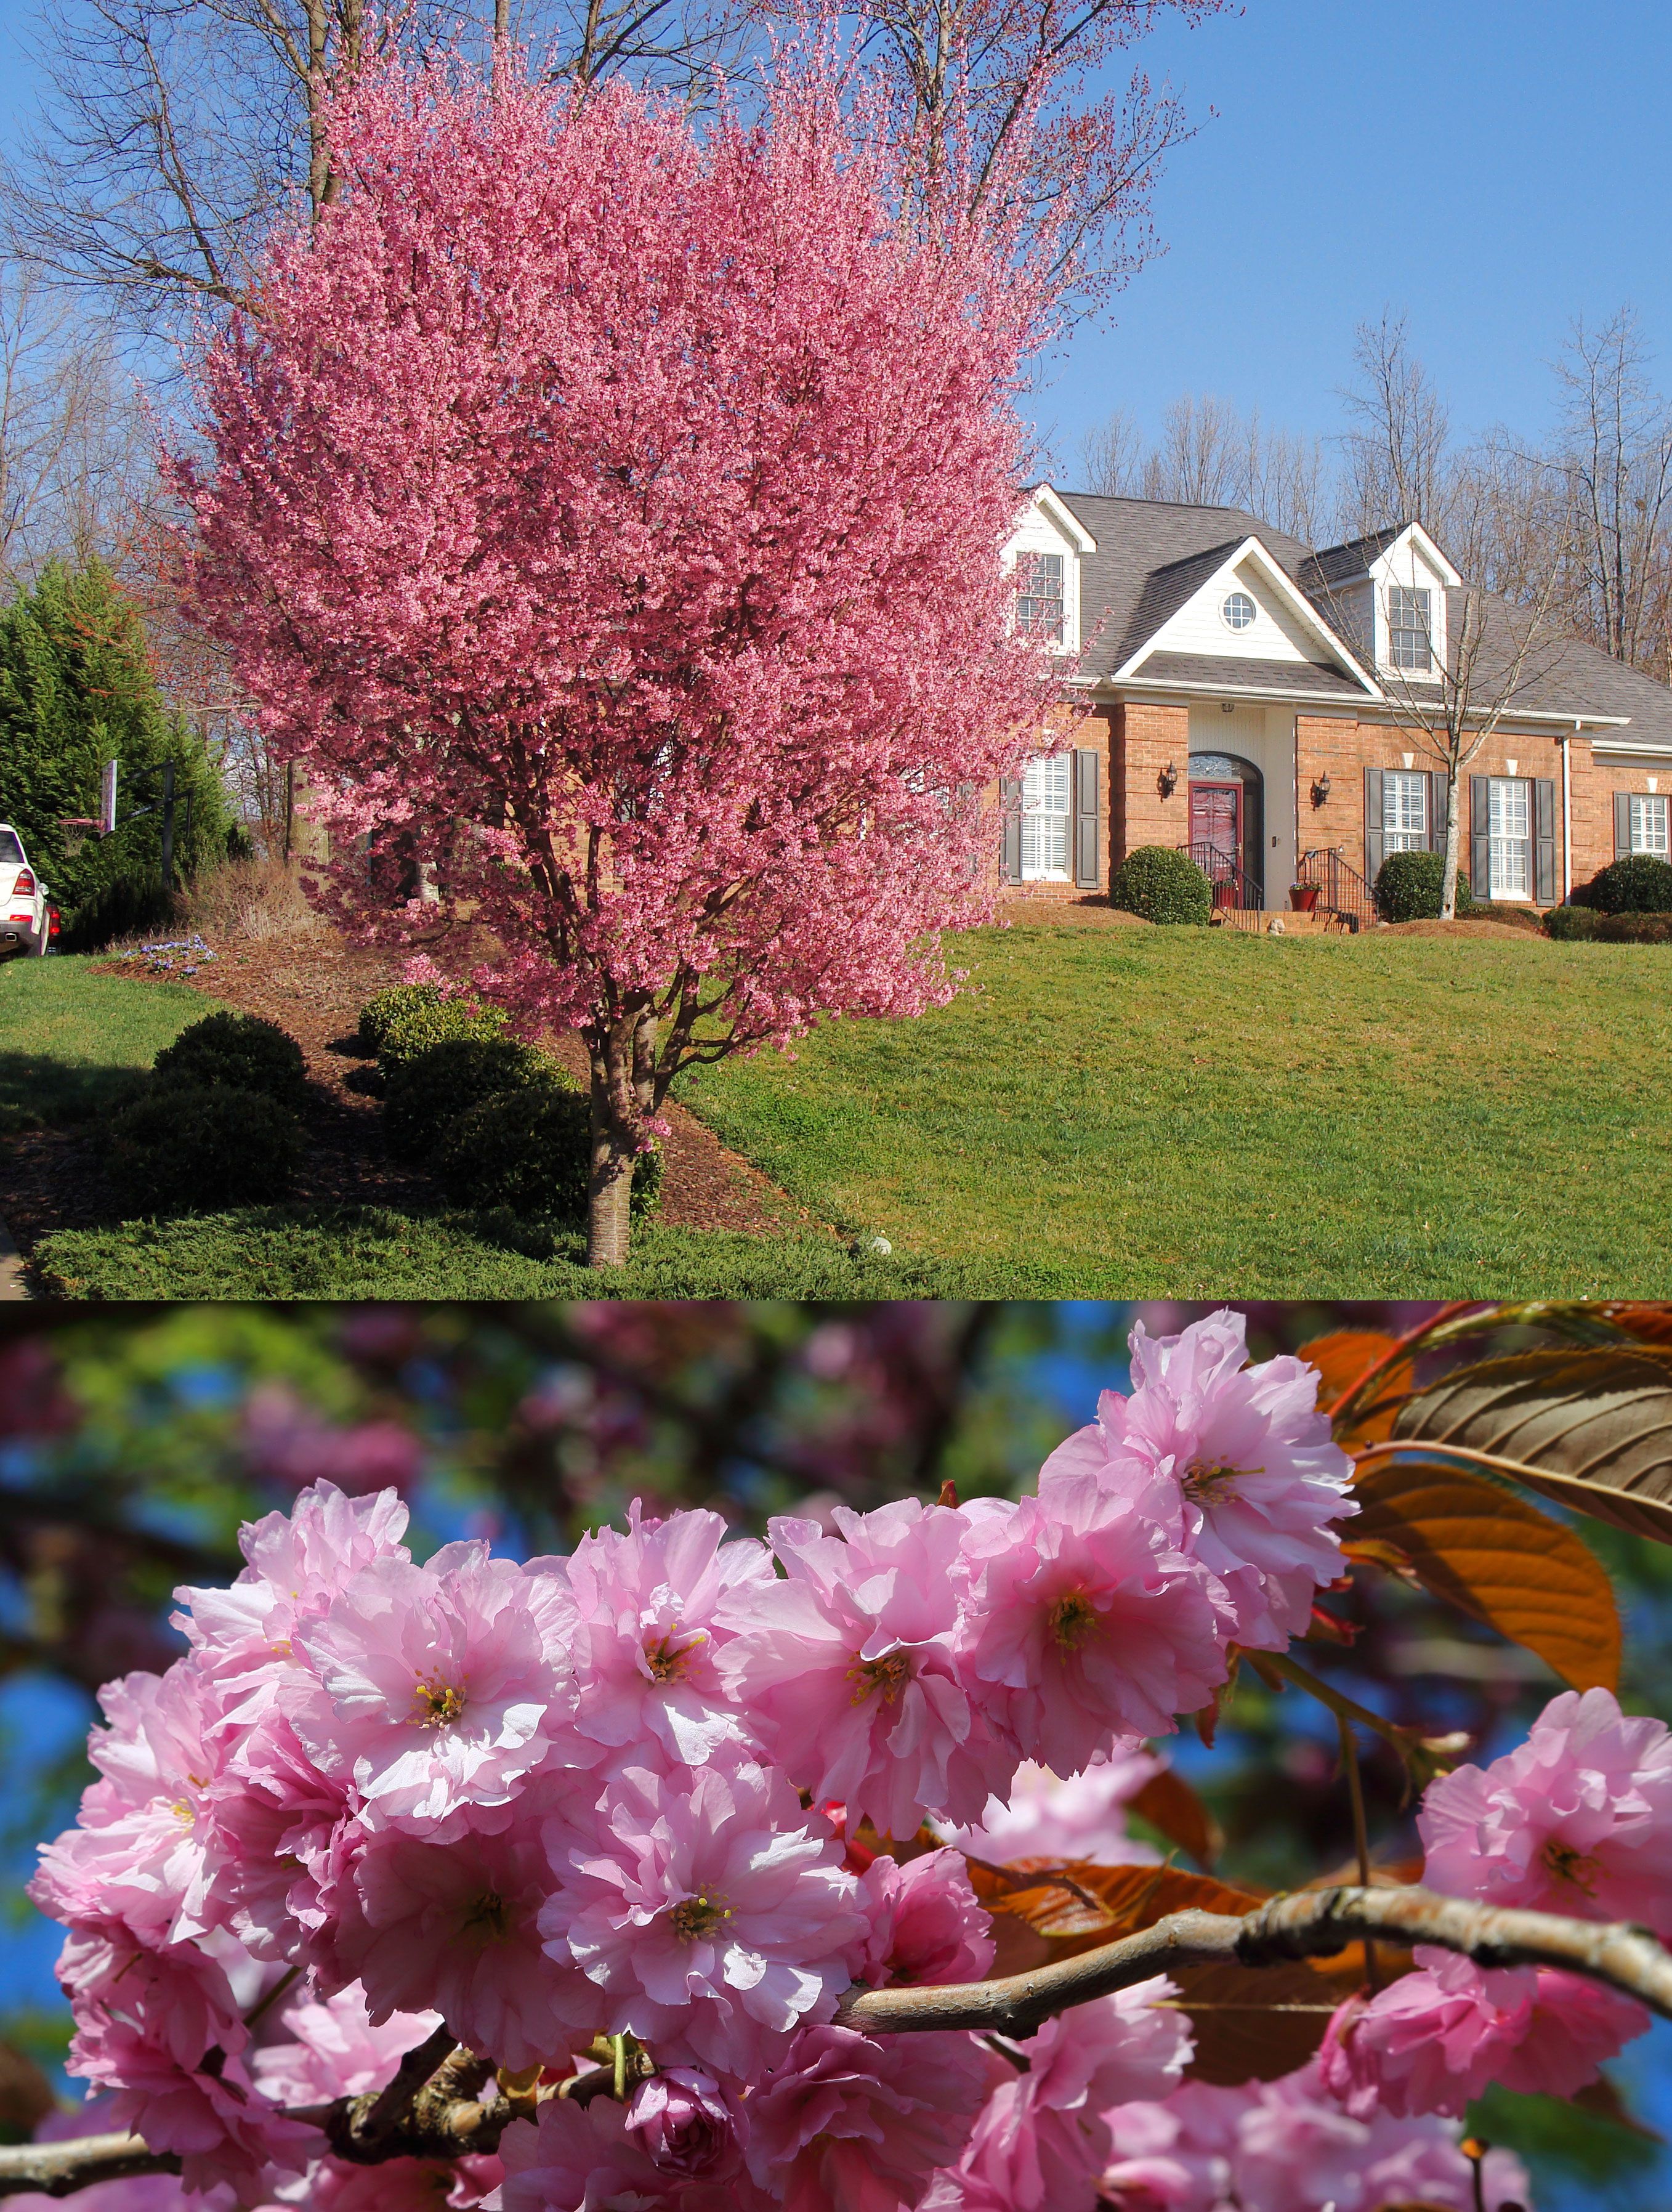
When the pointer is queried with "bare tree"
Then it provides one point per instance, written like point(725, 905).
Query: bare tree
point(1616, 453)
point(174, 131)
point(1209, 455)
point(73, 443)
point(1398, 462)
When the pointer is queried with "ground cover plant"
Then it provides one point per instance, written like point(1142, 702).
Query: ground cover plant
point(1168, 1112)
point(73, 1043)
point(686, 1870)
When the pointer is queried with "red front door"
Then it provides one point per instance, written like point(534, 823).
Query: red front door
point(1216, 828)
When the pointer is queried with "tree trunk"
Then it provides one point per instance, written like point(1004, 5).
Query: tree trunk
point(1448, 887)
point(621, 1057)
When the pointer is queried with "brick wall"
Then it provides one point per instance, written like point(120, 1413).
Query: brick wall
point(1594, 783)
point(1148, 739)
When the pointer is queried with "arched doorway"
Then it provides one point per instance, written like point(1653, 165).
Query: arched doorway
point(1227, 826)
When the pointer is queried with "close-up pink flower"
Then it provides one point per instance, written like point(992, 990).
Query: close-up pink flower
point(1087, 1626)
point(850, 1666)
point(1577, 1818)
point(926, 1924)
point(1077, 1816)
point(1255, 1482)
point(575, 2157)
point(712, 1914)
point(1041, 2143)
point(653, 1614)
point(1436, 2039)
point(689, 2125)
point(452, 1928)
point(433, 1688)
point(852, 2123)
point(337, 2050)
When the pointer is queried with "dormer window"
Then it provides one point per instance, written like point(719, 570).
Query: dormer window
point(1040, 603)
point(1410, 629)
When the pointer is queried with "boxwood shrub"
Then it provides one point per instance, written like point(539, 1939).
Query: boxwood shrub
point(182, 1148)
point(1637, 884)
point(530, 1150)
point(424, 1093)
point(1407, 888)
point(1162, 886)
point(1569, 924)
point(238, 1052)
point(410, 1018)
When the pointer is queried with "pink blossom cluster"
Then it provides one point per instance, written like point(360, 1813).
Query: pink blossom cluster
point(1291, 2146)
point(620, 1792)
point(1575, 1821)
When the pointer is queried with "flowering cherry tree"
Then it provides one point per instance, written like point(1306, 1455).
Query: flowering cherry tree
point(611, 522)
point(687, 1871)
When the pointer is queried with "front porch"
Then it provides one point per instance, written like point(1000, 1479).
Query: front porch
point(1332, 893)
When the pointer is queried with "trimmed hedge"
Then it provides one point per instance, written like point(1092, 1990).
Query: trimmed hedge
point(180, 1148)
point(1161, 885)
point(530, 1150)
point(1571, 925)
point(238, 1052)
point(432, 1088)
point(1638, 884)
point(1408, 887)
point(409, 1017)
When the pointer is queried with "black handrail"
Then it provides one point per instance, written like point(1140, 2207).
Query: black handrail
point(1233, 886)
point(1342, 892)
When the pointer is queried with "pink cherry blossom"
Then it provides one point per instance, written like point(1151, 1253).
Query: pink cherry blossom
point(1082, 1817)
point(713, 1915)
point(851, 2123)
point(1435, 2038)
point(690, 2126)
point(1090, 1626)
point(274, 1820)
point(1041, 2143)
point(583, 2158)
point(338, 2051)
point(850, 1670)
point(295, 1564)
point(1576, 1819)
point(654, 1614)
point(452, 1927)
point(432, 1688)
point(926, 1924)
point(1255, 1480)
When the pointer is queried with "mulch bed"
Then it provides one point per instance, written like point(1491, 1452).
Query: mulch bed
point(1525, 930)
point(1072, 913)
point(315, 987)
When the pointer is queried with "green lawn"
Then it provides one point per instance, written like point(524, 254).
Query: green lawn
point(71, 1042)
point(1193, 1113)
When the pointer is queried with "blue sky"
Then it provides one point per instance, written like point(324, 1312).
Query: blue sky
point(1490, 167)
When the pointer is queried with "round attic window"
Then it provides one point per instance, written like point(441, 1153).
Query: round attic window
point(1239, 610)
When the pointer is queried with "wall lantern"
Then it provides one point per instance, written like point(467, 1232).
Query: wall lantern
point(1168, 782)
point(1320, 789)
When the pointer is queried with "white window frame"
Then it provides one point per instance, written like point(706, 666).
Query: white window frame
point(1404, 824)
point(1650, 817)
point(1509, 851)
point(1039, 563)
point(1046, 825)
point(1239, 598)
point(1415, 602)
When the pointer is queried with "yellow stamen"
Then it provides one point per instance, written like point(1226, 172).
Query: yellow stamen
point(696, 1916)
point(437, 1704)
point(1203, 1479)
point(1568, 1865)
point(886, 1677)
point(1072, 1621)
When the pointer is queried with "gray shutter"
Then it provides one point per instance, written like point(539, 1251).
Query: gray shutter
point(1437, 783)
point(1087, 844)
point(1480, 841)
point(1622, 824)
point(1010, 851)
point(1373, 840)
point(1544, 842)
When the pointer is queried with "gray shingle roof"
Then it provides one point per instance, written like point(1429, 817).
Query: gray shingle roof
point(1153, 554)
point(1238, 675)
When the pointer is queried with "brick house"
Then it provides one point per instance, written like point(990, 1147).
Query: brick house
point(1255, 703)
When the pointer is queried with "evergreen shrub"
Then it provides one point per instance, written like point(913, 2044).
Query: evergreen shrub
point(1161, 885)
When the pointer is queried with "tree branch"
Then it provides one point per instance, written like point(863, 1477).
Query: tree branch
point(1303, 1925)
point(447, 2118)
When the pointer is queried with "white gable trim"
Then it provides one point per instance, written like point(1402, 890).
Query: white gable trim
point(1069, 523)
point(1250, 553)
point(1414, 536)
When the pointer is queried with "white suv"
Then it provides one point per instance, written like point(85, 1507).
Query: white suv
point(26, 919)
